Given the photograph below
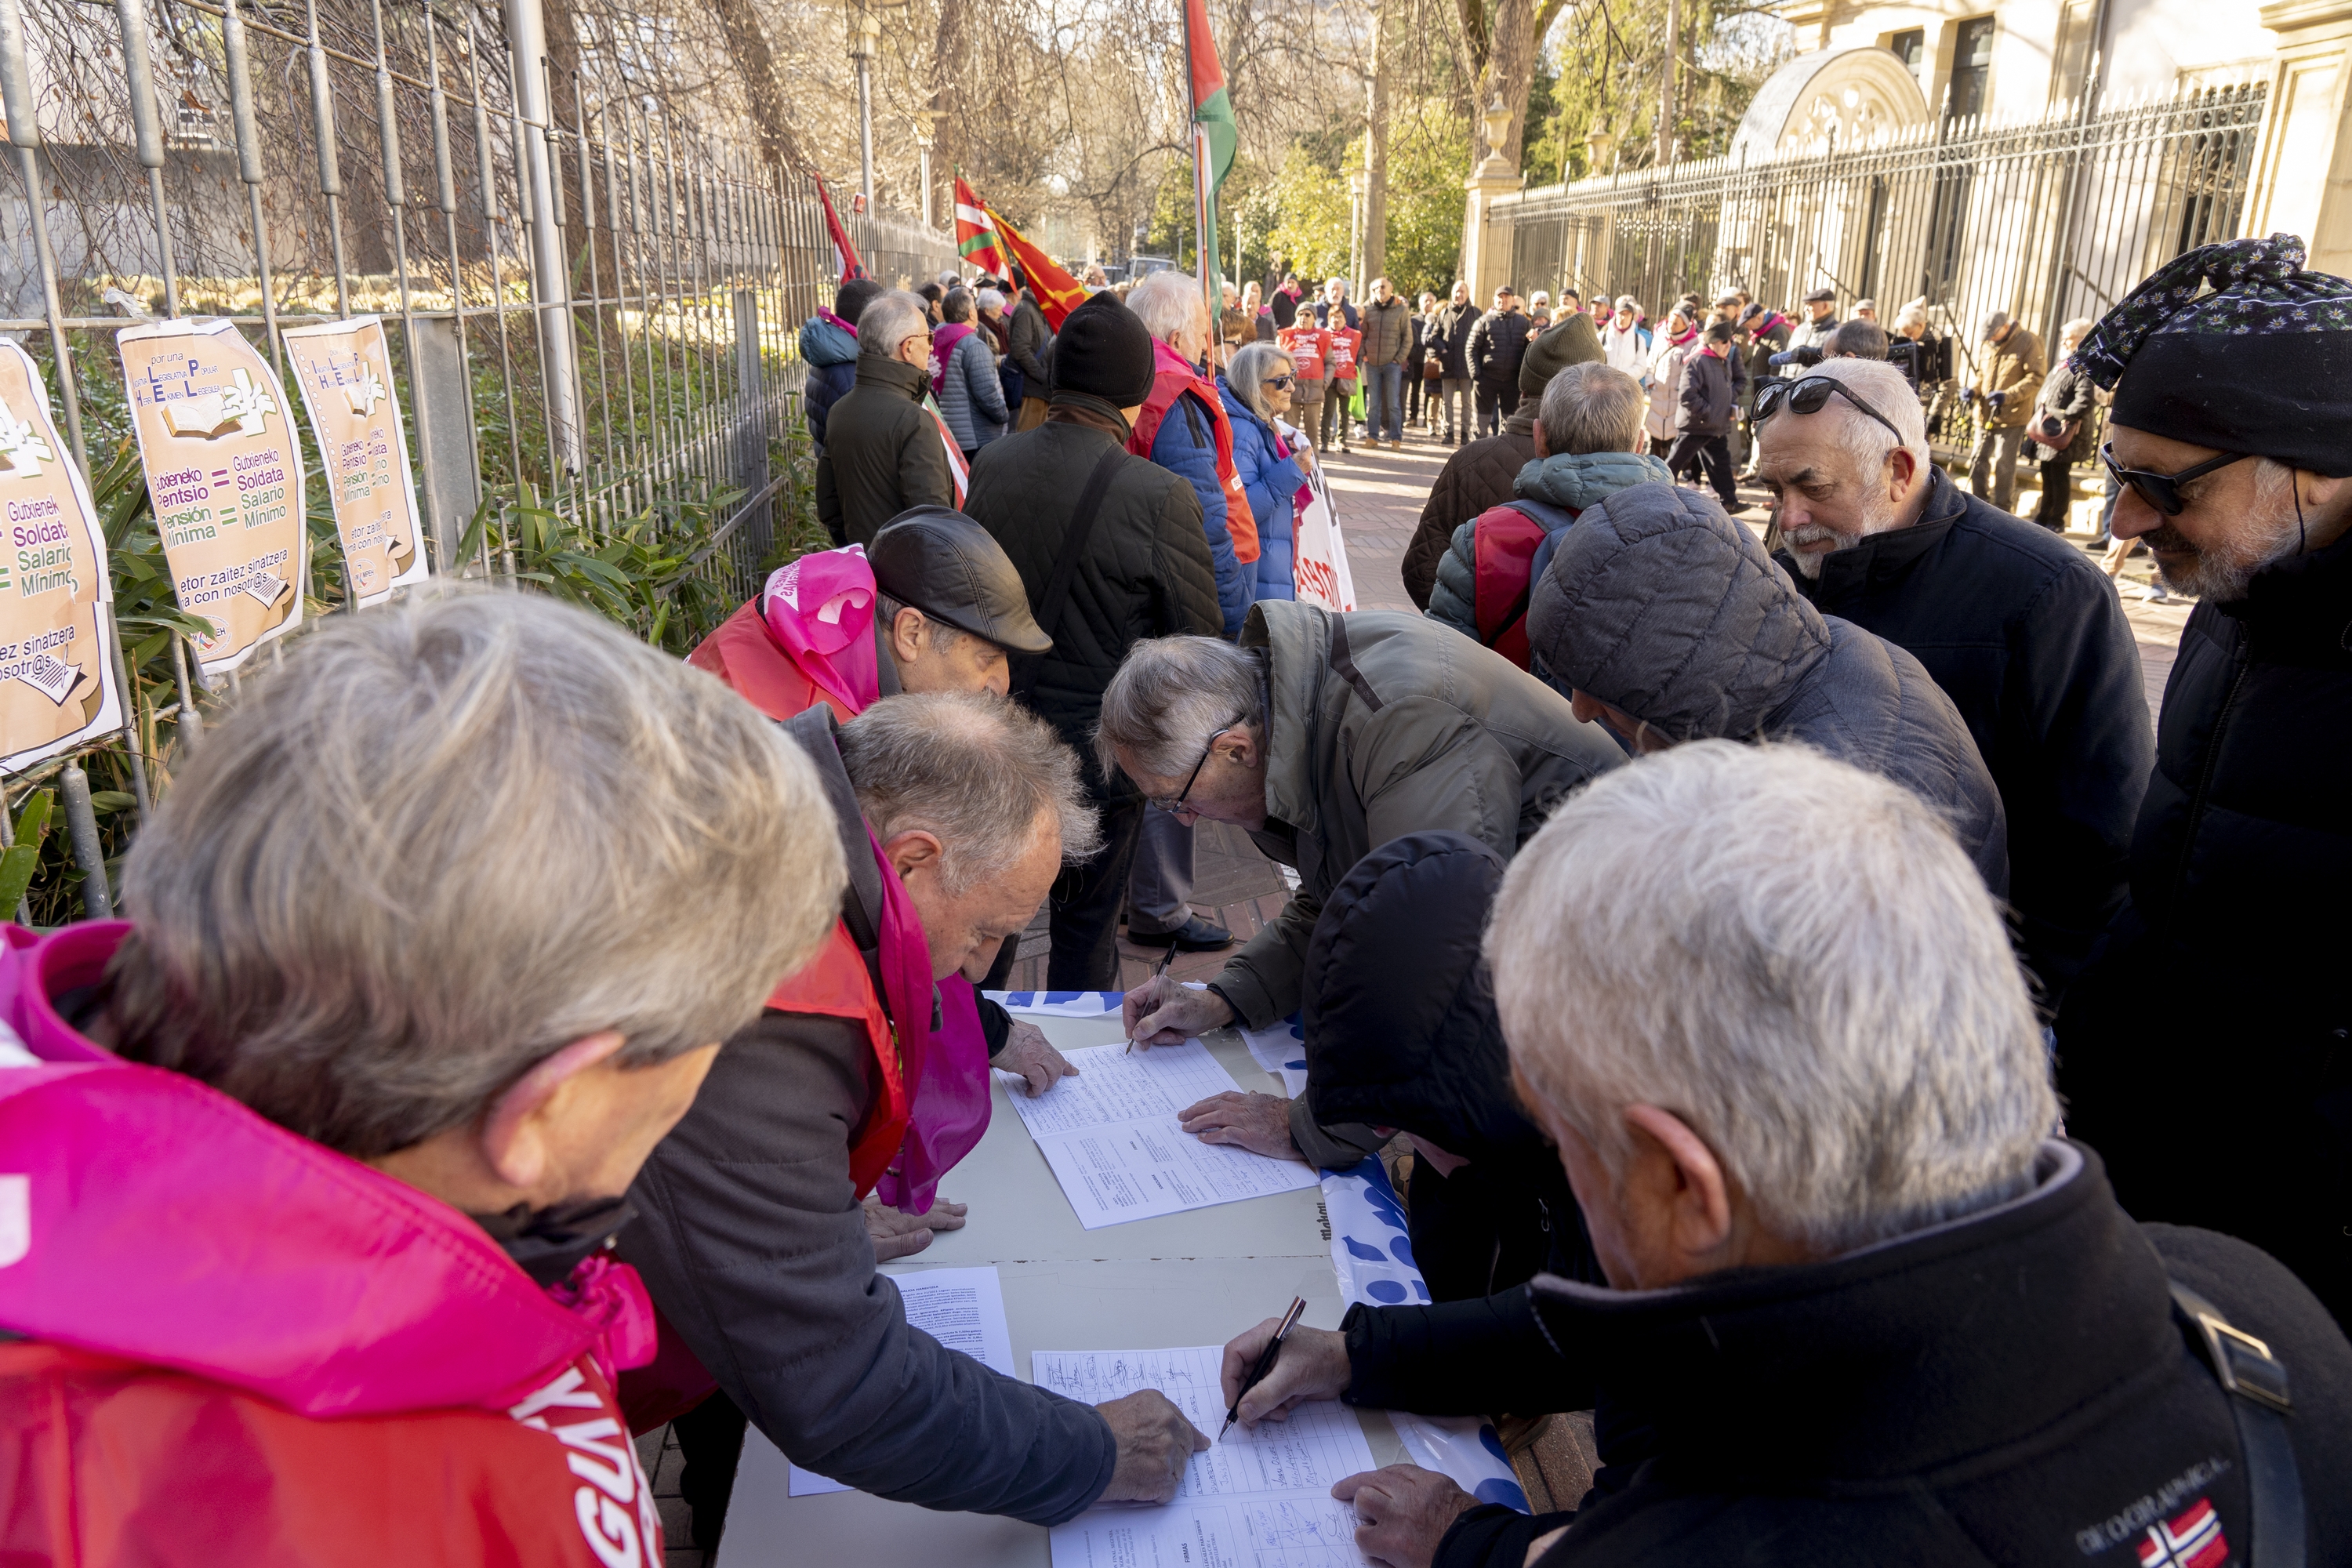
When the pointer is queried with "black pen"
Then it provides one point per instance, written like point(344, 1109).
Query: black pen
point(1158, 970)
point(1265, 1362)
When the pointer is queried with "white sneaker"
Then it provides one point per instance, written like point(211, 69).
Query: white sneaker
point(2153, 594)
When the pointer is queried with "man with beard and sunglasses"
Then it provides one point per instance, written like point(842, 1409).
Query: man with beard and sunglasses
point(2228, 441)
point(2021, 630)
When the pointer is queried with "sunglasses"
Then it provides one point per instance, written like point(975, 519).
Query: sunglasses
point(1279, 382)
point(2162, 491)
point(1173, 806)
point(1811, 395)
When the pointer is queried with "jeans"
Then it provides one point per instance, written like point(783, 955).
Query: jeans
point(1385, 404)
point(1713, 453)
point(1159, 884)
point(1995, 459)
point(1453, 397)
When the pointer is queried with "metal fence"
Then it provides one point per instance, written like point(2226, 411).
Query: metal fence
point(593, 303)
point(2045, 220)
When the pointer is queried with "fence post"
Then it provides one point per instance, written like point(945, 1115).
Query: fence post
point(81, 823)
point(750, 428)
point(453, 479)
point(527, 38)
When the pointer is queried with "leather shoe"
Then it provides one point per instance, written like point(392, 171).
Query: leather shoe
point(1195, 935)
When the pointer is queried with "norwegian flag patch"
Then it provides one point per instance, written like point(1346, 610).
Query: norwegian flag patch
point(2191, 1540)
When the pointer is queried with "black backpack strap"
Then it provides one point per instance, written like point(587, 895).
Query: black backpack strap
point(1512, 616)
point(1047, 610)
point(2256, 1382)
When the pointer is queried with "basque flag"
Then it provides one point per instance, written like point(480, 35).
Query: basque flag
point(976, 240)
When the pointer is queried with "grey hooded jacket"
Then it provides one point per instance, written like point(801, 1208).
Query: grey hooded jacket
point(1659, 604)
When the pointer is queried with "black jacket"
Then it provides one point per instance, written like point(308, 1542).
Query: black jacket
point(753, 1245)
point(1146, 572)
point(882, 452)
point(2220, 1008)
point(1712, 385)
point(2029, 641)
point(1398, 1013)
point(2011, 1388)
point(1028, 337)
point(1449, 339)
point(1495, 348)
point(1476, 477)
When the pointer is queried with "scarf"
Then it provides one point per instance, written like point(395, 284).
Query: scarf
point(943, 343)
point(821, 609)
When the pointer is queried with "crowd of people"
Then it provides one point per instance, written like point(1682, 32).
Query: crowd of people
point(1841, 1043)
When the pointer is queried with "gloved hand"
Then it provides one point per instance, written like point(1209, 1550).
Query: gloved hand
point(1995, 400)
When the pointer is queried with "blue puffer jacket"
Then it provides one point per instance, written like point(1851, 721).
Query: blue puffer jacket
point(832, 357)
point(1186, 446)
point(1273, 484)
point(972, 396)
point(1572, 479)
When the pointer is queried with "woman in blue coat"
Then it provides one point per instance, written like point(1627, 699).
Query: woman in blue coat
point(1255, 389)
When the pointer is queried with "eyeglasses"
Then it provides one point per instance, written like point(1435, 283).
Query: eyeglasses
point(1279, 382)
point(1173, 806)
point(2162, 491)
point(1811, 395)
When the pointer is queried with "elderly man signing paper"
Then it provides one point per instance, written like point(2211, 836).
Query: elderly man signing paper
point(1861, 1306)
point(1326, 736)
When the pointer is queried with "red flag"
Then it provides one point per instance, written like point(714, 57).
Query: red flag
point(1056, 292)
point(975, 233)
point(845, 252)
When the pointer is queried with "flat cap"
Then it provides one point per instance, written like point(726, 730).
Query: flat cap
point(1822, 297)
point(946, 565)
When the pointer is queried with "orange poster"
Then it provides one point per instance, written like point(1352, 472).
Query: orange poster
point(56, 684)
point(224, 474)
point(345, 372)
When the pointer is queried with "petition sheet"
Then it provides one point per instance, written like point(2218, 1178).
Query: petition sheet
point(1256, 1500)
point(963, 1309)
point(1112, 1138)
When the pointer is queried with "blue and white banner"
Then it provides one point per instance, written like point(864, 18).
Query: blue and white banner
point(1059, 1003)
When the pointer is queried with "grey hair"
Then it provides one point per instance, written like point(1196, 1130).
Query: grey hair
point(977, 771)
point(956, 305)
point(1590, 407)
point(1912, 315)
point(1172, 310)
point(449, 838)
point(1884, 388)
point(2080, 325)
point(1251, 363)
point(1170, 695)
point(1795, 958)
point(991, 298)
point(943, 636)
point(889, 319)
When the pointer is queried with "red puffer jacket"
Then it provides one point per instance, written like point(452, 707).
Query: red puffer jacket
point(223, 1343)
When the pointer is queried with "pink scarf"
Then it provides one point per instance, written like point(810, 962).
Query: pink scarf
point(945, 1070)
point(821, 609)
point(943, 342)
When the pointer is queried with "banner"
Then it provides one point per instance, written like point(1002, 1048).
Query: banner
point(843, 253)
point(344, 371)
point(1320, 574)
point(1056, 292)
point(224, 474)
point(57, 683)
point(975, 233)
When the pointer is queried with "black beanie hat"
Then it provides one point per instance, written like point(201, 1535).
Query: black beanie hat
point(2263, 365)
point(1105, 350)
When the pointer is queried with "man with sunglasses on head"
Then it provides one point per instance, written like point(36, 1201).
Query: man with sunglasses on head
point(2021, 630)
point(2227, 439)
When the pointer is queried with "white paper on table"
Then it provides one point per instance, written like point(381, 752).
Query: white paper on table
point(963, 1309)
point(1112, 1137)
point(1281, 1049)
point(1258, 1498)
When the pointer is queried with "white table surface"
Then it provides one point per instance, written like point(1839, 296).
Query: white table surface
point(1192, 1278)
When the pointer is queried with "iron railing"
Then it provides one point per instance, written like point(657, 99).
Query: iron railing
point(2046, 220)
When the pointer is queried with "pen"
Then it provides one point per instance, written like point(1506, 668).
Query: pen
point(1158, 970)
point(1265, 1362)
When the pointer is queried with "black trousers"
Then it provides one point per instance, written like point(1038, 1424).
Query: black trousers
point(2057, 492)
point(1495, 405)
point(1712, 453)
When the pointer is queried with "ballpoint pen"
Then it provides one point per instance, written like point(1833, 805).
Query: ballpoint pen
point(1158, 970)
point(1265, 1362)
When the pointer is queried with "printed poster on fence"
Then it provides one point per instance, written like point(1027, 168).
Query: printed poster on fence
point(56, 684)
point(225, 473)
point(344, 370)
point(1320, 574)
